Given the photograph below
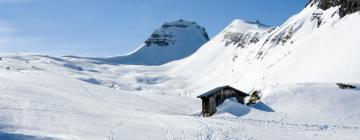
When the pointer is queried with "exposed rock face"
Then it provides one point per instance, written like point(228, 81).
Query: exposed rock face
point(165, 36)
point(161, 38)
point(244, 33)
point(241, 39)
point(172, 41)
point(280, 38)
point(346, 6)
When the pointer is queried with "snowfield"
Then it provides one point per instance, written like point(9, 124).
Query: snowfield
point(41, 97)
point(295, 66)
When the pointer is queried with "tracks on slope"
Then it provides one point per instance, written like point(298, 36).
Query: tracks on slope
point(114, 131)
point(289, 126)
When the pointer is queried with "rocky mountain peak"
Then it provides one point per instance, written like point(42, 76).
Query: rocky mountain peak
point(172, 41)
point(166, 35)
point(346, 6)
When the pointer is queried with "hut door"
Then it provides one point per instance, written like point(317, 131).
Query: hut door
point(205, 105)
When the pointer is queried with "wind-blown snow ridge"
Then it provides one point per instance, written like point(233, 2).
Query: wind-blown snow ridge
point(239, 25)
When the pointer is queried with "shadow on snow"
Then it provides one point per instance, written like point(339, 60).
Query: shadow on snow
point(6, 136)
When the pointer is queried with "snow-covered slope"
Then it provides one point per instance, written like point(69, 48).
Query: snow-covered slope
point(315, 45)
point(173, 41)
point(52, 98)
point(294, 65)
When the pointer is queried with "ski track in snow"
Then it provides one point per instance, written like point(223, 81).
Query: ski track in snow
point(290, 126)
point(205, 131)
point(114, 130)
point(221, 128)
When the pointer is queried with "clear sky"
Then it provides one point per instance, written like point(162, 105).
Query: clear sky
point(115, 27)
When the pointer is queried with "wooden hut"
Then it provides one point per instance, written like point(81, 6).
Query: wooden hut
point(215, 97)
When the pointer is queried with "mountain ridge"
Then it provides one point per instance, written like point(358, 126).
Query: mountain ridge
point(346, 6)
point(173, 41)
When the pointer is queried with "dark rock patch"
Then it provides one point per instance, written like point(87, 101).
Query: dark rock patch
point(164, 37)
point(345, 86)
point(241, 39)
point(346, 6)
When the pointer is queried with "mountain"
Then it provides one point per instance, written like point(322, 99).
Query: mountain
point(294, 67)
point(346, 6)
point(173, 41)
point(315, 45)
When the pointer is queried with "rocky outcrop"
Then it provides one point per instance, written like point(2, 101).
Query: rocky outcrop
point(161, 38)
point(241, 39)
point(164, 36)
point(346, 6)
point(244, 33)
point(172, 41)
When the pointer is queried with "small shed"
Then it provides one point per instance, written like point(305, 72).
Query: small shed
point(215, 97)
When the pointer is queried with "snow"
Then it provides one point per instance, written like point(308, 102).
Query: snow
point(231, 106)
point(242, 26)
point(295, 66)
point(310, 54)
point(52, 102)
point(185, 38)
point(325, 100)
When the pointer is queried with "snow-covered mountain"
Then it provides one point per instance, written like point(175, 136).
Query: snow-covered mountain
point(173, 41)
point(295, 66)
point(314, 45)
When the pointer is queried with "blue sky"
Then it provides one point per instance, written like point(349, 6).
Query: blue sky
point(115, 27)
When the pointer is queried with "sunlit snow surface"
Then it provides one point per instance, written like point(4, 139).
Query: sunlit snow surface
point(40, 97)
point(45, 97)
point(173, 41)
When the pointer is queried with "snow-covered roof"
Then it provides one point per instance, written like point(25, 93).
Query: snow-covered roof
point(215, 90)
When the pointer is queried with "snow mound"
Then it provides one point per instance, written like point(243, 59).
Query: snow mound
point(231, 106)
point(317, 101)
point(173, 41)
